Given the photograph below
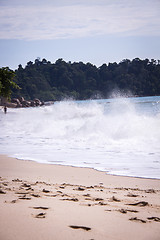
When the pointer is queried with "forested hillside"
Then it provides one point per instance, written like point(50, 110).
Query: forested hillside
point(55, 81)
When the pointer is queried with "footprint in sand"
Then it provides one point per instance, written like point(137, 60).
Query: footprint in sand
point(132, 195)
point(25, 185)
point(17, 180)
point(2, 192)
point(137, 219)
point(45, 191)
point(35, 195)
point(14, 201)
point(80, 227)
point(114, 199)
point(24, 198)
point(40, 215)
point(141, 204)
point(79, 189)
point(43, 208)
point(70, 199)
point(156, 219)
point(127, 210)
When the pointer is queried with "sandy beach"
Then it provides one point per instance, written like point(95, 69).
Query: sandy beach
point(40, 201)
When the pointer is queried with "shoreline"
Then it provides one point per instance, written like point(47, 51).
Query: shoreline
point(51, 201)
point(101, 171)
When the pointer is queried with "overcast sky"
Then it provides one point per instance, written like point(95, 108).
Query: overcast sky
point(96, 31)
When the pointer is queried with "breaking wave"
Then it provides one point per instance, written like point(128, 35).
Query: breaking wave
point(120, 136)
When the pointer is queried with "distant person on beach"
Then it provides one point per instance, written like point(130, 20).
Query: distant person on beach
point(5, 109)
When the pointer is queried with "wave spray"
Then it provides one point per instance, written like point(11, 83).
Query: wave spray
point(120, 136)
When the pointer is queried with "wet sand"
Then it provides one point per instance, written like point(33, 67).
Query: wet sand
point(40, 201)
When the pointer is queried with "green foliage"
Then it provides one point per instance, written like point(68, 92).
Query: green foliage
point(59, 80)
point(6, 82)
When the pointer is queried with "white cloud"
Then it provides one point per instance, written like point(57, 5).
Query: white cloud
point(49, 21)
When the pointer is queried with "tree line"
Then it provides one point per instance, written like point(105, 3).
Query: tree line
point(56, 81)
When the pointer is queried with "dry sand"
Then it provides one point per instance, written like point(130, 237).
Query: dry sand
point(53, 202)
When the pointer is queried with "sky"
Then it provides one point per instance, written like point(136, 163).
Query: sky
point(95, 31)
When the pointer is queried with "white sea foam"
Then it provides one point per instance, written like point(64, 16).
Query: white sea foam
point(120, 136)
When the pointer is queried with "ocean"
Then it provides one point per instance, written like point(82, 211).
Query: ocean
point(119, 136)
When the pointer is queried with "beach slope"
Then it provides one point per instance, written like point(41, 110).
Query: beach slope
point(42, 201)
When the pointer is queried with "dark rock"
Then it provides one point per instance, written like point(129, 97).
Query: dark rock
point(11, 105)
point(33, 104)
point(19, 105)
point(21, 99)
point(16, 100)
point(37, 101)
point(21, 102)
point(25, 103)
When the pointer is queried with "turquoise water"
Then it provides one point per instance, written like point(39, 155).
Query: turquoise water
point(119, 136)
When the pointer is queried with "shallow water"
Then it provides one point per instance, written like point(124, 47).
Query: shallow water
point(120, 136)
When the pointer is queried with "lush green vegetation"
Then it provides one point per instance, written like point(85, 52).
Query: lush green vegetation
point(7, 83)
point(55, 81)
